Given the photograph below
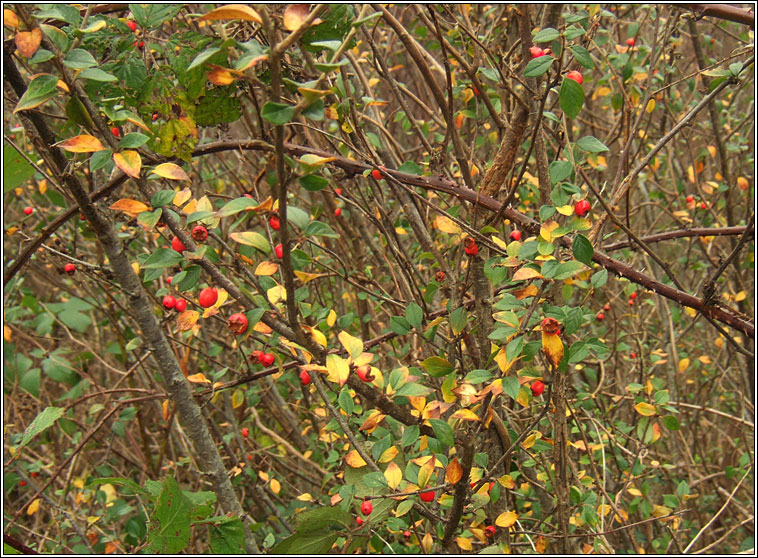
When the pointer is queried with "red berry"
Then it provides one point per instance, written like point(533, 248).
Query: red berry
point(155, 116)
point(238, 323)
point(536, 52)
point(516, 235)
point(247, 196)
point(338, 191)
point(632, 355)
point(576, 76)
point(245, 432)
point(537, 388)
point(337, 212)
point(440, 276)
point(169, 279)
point(427, 496)
point(703, 205)
point(582, 207)
point(178, 245)
point(471, 248)
point(22, 483)
point(689, 199)
point(256, 355)
point(607, 307)
point(279, 251)
point(69, 268)
point(34, 474)
point(630, 41)
point(364, 373)
point(131, 24)
point(208, 297)
point(633, 295)
point(305, 378)
point(274, 222)
point(267, 359)
point(407, 534)
point(359, 521)
point(140, 44)
point(600, 316)
point(199, 233)
point(366, 507)
point(181, 305)
point(116, 132)
point(376, 173)
point(169, 302)
point(28, 210)
point(476, 91)
point(490, 530)
point(249, 456)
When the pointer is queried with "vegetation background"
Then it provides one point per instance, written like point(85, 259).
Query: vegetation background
point(484, 278)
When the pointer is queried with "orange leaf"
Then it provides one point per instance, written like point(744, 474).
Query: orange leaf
point(233, 11)
point(198, 378)
point(521, 294)
point(82, 144)
point(165, 408)
point(294, 16)
point(266, 268)
point(187, 319)
point(33, 507)
point(28, 42)
point(372, 421)
point(275, 486)
point(10, 19)
point(355, 460)
point(465, 414)
point(129, 162)
point(454, 471)
point(130, 207)
point(219, 75)
point(645, 409)
point(526, 273)
point(171, 171)
point(553, 347)
point(540, 544)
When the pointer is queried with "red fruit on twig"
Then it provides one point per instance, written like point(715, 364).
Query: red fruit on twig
point(516, 235)
point(245, 432)
point(427, 496)
point(267, 359)
point(178, 245)
point(377, 174)
point(238, 323)
point(337, 212)
point(576, 76)
point(208, 297)
point(28, 210)
point(537, 388)
point(274, 222)
point(536, 52)
point(169, 302)
point(278, 251)
point(181, 305)
point(256, 355)
point(582, 207)
point(199, 233)
point(69, 268)
point(630, 41)
point(364, 373)
point(131, 24)
point(366, 507)
point(305, 378)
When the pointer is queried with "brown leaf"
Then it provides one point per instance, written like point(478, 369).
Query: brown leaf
point(294, 16)
point(187, 319)
point(454, 471)
point(27, 42)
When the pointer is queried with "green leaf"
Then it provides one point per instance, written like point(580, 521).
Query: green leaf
point(599, 278)
point(16, 169)
point(442, 431)
point(251, 238)
point(321, 519)
point(582, 55)
point(560, 170)
point(478, 376)
point(547, 35)
point(96, 74)
point(346, 402)
point(324, 67)
point(162, 197)
point(162, 258)
point(437, 366)
point(171, 532)
point(400, 325)
point(277, 113)
point(237, 205)
point(313, 182)
point(511, 386)
point(318, 228)
point(133, 140)
point(41, 422)
point(79, 59)
point(60, 12)
point(583, 250)
point(458, 318)
point(567, 270)
point(227, 536)
point(513, 349)
point(412, 389)
point(187, 279)
point(414, 315)
point(571, 97)
point(671, 422)
point(41, 89)
point(538, 66)
point(202, 57)
point(307, 543)
point(591, 144)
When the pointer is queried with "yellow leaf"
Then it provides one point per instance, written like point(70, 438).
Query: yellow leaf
point(394, 475)
point(233, 11)
point(307, 277)
point(10, 19)
point(526, 292)
point(171, 171)
point(338, 368)
point(373, 420)
point(463, 543)
point(526, 273)
point(446, 225)
point(238, 398)
point(553, 347)
point(565, 209)
point(306, 497)
point(7, 333)
point(82, 144)
point(683, 364)
point(600, 92)
point(705, 359)
point(389, 454)
point(198, 378)
point(331, 318)
point(353, 345)
point(180, 198)
point(275, 486)
point(500, 243)
point(129, 162)
point(354, 460)
point(166, 409)
point(266, 268)
point(33, 507)
point(426, 543)
point(187, 319)
point(465, 414)
point(318, 337)
point(454, 471)
point(529, 441)
point(130, 207)
point(295, 15)
point(650, 106)
point(313, 162)
point(425, 473)
point(645, 409)
point(275, 294)
point(507, 482)
point(506, 519)
point(661, 511)
point(546, 230)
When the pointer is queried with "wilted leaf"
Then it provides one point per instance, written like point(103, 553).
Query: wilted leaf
point(540, 544)
point(221, 76)
point(266, 268)
point(375, 417)
point(171, 171)
point(295, 15)
point(553, 347)
point(129, 162)
point(530, 290)
point(454, 471)
point(198, 378)
point(645, 409)
point(27, 42)
point(526, 273)
point(354, 459)
point(130, 207)
point(506, 519)
point(187, 319)
point(82, 144)
point(233, 11)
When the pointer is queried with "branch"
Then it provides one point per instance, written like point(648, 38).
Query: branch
point(721, 11)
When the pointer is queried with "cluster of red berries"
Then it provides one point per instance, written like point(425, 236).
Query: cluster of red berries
point(536, 51)
point(170, 302)
point(266, 359)
point(632, 297)
point(691, 199)
point(600, 316)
